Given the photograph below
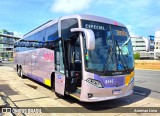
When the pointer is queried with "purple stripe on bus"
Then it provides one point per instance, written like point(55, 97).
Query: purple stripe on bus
point(97, 77)
point(110, 81)
point(39, 79)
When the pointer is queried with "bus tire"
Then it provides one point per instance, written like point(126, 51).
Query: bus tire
point(20, 72)
point(53, 88)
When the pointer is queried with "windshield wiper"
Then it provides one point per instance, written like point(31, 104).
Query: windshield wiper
point(126, 41)
point(106, 63)
point(120, 58)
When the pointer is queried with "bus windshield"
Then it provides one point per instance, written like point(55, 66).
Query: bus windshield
point(113, 49)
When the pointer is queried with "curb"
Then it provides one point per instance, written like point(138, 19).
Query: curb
point(2, 100)
point(4, 103)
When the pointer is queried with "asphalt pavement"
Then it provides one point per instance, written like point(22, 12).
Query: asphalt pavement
point(27, 92)
point(7, 63)
point(149, 79)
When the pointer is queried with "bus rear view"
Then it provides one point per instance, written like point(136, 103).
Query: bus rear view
point(87, 57)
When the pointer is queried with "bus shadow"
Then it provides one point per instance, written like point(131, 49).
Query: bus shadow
point(139, 94)
point(38, 83)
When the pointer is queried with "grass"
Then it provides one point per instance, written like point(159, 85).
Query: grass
point(147, 64)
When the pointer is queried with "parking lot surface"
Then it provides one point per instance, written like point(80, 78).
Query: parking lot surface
point(27, 93)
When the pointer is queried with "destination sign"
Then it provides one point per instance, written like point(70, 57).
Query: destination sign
point(94, 25)
point(121, 33)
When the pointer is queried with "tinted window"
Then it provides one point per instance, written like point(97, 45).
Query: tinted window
point(66, 25)
point(39, 36)
point(38, 44)
point(52, 32)
point(38, 39)
point(113, 49)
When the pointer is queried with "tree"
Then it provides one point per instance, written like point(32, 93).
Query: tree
point(137, 56)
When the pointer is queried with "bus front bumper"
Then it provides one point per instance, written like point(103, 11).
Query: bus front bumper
point(90, 93)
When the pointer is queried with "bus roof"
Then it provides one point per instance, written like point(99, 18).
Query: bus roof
point(78, 16)
point(94, 18)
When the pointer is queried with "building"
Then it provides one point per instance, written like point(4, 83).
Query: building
point(157, 45)
point(142, 45)
point(6, 45)
point(138, 44)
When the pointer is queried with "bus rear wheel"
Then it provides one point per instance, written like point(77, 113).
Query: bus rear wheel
point(20, 72)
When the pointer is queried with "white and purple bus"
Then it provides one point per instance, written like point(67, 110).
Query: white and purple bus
point(87, 57)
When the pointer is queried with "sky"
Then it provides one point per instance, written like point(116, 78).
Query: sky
point(141, 17)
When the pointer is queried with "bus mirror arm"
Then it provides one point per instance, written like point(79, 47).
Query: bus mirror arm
point(90, 37)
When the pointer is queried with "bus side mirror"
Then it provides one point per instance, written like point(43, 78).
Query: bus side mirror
point(90, 38)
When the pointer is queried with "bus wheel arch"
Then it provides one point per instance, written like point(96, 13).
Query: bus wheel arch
point(53, 81)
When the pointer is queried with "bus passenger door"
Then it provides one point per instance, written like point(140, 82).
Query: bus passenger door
point(73, 53)
point(59, 68)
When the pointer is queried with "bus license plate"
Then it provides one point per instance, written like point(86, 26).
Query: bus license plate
point(115, 92)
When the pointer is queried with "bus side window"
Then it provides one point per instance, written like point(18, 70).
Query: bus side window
point(66, 25)
point(52, 32)
point(59, 65)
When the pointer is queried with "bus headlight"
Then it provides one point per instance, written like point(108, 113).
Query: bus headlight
point(94, 82)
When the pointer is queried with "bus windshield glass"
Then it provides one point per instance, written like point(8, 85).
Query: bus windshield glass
point(113, 48)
